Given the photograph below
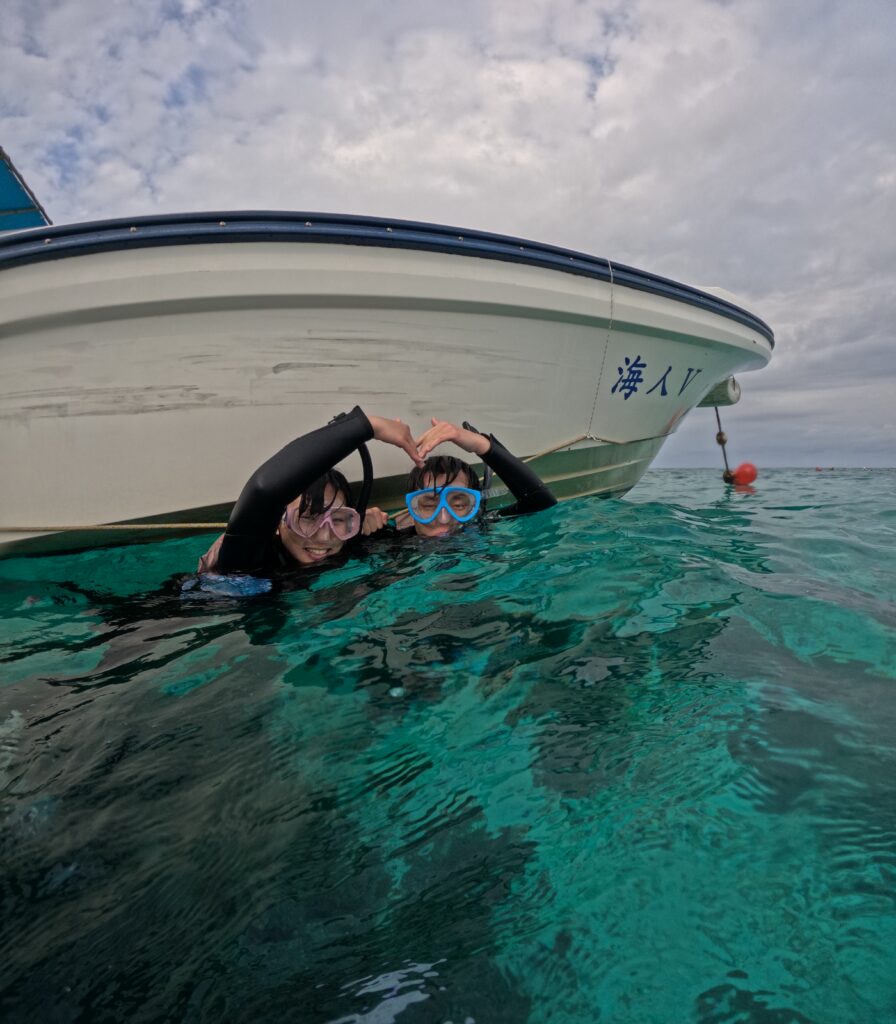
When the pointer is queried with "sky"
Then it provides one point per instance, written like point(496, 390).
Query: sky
point(743, 144)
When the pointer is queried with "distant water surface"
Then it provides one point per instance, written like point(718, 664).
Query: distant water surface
point(623, 761)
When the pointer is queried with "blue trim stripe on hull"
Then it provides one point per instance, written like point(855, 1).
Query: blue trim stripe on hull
point(271, 226)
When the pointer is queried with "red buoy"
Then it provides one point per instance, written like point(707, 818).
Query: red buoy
point(745, 473)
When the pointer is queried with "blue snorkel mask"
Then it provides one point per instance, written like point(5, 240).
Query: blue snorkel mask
point(461, 503)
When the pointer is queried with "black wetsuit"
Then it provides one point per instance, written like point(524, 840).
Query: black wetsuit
point(250, 543)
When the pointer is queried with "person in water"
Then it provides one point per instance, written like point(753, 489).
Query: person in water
point(444, 493)
point(295, 510)
point(270, 528)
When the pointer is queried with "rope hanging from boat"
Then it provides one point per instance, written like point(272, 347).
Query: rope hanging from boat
point(721, 441)
point(583, 437)
point(113, 526)
point(600, 374)
point(588, 435)
point(568, 444)
point(745, 473)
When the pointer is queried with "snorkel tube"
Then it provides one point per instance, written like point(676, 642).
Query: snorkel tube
point(366, 485)
point(486, 473)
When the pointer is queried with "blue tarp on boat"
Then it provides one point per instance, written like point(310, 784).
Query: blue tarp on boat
point(19, 207)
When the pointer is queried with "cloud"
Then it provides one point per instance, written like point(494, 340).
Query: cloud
point(749, 145)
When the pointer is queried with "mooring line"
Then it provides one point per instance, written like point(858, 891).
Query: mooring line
point(603, 361)
point(113, 526)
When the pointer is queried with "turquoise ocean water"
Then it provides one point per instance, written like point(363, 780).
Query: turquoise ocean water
point(625, 761)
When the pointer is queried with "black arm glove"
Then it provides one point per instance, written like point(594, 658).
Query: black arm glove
point(531, 493)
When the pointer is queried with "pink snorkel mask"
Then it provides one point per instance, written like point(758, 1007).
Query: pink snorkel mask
point(344, 522)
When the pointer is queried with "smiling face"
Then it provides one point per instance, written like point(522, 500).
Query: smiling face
point(320, 545)
point(444, 523)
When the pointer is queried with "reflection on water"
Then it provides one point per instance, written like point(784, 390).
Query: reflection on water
point(628, 761)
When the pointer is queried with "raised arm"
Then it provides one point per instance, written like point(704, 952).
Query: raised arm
point(530, 491)
point(278, 481)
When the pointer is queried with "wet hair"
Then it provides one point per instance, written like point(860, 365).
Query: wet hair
point(314, 502)
point(442, 465)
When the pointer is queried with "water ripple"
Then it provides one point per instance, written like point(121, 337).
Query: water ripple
point(625, 760)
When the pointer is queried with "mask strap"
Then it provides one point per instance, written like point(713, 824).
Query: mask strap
point(486, 473)
point(367, 483)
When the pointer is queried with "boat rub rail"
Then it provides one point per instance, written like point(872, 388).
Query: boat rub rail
point(42, 244)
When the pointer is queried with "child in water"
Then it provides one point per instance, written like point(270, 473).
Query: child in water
point(296, 511)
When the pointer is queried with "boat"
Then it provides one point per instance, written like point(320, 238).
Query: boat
point(149, 365)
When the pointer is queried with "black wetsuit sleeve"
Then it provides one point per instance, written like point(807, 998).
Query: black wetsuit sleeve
point(530, 491)
point(250, 529)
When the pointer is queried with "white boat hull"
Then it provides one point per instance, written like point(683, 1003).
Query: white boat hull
point(144, 383)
